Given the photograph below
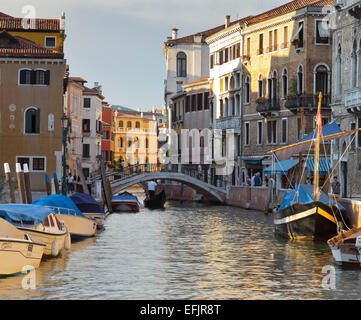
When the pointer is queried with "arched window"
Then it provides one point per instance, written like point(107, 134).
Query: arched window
point(321, 79)
point(300, 86)
point(137, 125)
point(247, 90)
point(34, 77)
point(40, 77)
point(129, 124)
point(120, 142)
point(284, 83)
point(181, 64)
point(269, 85)
point(25, 76)
point(120, 124)
point(338, 82)
point(354, 65)
point(260, 86)
point(32, 120)
point(231, 83)
point(275, 84)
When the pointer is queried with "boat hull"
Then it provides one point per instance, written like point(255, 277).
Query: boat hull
point(79, 227)
point(125, 206)
point(48, 239)
point(18, 256)
point(97, 217)
point(312, 221)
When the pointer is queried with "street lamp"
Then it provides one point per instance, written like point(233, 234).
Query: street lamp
point(65, 127)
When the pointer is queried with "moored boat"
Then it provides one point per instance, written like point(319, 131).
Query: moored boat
point(89, 207)
point(125, 202)
point(157, 202)
point(346, 247)
point(78, 224)
point(19, 252)
point(40, 223)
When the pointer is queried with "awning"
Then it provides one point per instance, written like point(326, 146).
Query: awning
point(323, 166)
point(323, 29)
point(296, 34)
point(281, 167)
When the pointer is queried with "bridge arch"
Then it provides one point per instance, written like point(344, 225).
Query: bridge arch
point(211, 192)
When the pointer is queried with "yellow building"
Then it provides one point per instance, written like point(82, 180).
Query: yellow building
point(135, 138)
point(48, 33)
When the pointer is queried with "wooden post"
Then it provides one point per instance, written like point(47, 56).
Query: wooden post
point(56, 183)
point(29, 197)
point(109, 189)
point(9, 183)
point(21, 184)
point(104, 184)
point(48, 184)
point(300, 168)
point(82, 178)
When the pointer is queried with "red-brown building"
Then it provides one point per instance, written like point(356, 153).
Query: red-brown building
point(108, 133)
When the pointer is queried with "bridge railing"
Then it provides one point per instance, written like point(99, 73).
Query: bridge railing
point(193, 170)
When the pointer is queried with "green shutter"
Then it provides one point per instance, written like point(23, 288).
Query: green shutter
point(37, 126)
point(28, 121)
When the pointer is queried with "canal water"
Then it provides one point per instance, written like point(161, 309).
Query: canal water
point(188, 252)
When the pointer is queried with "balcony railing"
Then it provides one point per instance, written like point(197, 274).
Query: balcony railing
point(310, 102)
point(265, 106)
point(353, 98)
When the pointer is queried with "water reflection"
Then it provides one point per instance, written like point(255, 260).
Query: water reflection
point(188, 252)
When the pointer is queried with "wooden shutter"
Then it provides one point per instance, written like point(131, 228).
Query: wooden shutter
point(47, 77)
point(23, 76)
point(33, 77)
point(28, 121)
point(37, 125)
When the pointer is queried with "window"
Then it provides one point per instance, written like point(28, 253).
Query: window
point(260, 44)
point(259, 132)
point(260, 86)
point(300, 80)
point(35, 163)
point(248, 47)
point(300, 35)
point(32, 121)
point(285, 37)
point(321, 80)
point(188, 103)
point(247, 90)
point(86, 125)
point(137, 125)
point(205, 101)
point(181, 64)
point(120, 124)
point(284, 131)
point(34, 77)
point(338, 82)
point(272, 132)
point(86, 150)
point(354, 65)
point(246, 133)
point(146, 143)
point(129, 124)
point(211, 62)
point(284, 83)
point(50, 42)
point(121, 143)
point(322, 31)
point(86, 103)
point(299, 128)
point(359, 133)
point(226, 55)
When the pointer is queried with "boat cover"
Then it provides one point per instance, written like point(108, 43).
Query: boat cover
point(125, 196)
point(304, 194)
point(24, 213)
point(61, 204)
point(86, 203)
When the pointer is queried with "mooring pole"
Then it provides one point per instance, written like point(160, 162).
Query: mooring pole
point(9, 183)
point(21, 184)
point(56, 183)
point(29, 198)
point(48, 184)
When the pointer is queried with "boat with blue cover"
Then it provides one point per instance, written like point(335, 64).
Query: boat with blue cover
point(39, 222)
point(90, 207)
point(125, 202)
point(79, 225)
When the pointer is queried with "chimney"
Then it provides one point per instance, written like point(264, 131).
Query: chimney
point(174, 33)
point(227, 22)
point(62, 21)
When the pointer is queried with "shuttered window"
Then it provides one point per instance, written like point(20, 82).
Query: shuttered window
point(32, 121)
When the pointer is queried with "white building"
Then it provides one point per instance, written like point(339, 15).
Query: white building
point(92, 127)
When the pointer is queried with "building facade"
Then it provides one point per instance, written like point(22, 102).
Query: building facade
point(108, 133)
point(346, 94)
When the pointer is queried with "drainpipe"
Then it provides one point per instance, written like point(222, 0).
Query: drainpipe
point(241, 107)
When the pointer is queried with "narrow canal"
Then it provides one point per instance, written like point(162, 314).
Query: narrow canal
point(183, 252)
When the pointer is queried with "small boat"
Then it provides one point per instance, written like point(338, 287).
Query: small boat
point(78, 224)
point(157, 202)
point(125, 202)
point(19, 252)
point(301, 218)
point(39, 222)
point(346, 247)
point(90, 207)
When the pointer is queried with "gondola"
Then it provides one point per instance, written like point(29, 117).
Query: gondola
point(157, 202)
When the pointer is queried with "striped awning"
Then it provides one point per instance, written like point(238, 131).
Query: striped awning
point(323, 166)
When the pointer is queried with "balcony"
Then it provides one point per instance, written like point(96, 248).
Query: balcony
point(353, 100)
point(229, 123)
point(306, 101)
point(268, 107)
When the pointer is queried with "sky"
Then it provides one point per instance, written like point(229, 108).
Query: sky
point(119, 43)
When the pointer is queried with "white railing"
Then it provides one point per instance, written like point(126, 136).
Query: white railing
point(353, 97)
point(228, 123)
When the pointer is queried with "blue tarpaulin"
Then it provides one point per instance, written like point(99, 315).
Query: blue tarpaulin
point(86, 203)
point(24, 213)
point(60, 203)
point(327, 130)
point(281, 167)
point(323, 166)
point(125, 196)
point(304, 194)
